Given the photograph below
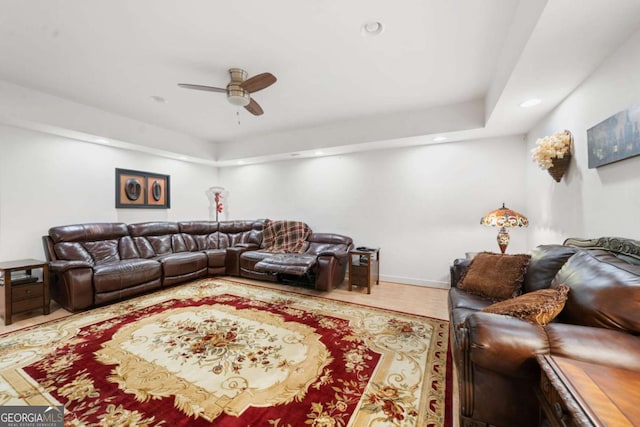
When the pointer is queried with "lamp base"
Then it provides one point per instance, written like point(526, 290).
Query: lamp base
point(503, 239)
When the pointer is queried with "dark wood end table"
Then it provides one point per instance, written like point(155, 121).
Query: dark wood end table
point(364, 268)
point(21, 291)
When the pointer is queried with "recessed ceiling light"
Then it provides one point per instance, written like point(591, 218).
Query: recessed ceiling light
point(372, 28)
point(102, 141)
point(530, 102)
point(318, 153)
point(439, 138)
point(159, 99)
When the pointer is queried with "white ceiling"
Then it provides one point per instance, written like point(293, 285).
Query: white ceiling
point(458, 67)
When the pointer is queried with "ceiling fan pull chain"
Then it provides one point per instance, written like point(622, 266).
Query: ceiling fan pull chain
point(238, 114)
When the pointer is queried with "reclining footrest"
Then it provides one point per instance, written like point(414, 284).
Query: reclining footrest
point(294, 264)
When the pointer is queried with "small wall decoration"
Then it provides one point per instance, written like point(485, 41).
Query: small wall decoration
point(553, 153)
point(614, 139)
point(137, 189)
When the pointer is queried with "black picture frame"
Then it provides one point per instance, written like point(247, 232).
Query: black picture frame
point(138, 189)
point(615, 138)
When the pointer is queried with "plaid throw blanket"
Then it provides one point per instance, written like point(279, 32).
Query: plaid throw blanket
point(285, 237)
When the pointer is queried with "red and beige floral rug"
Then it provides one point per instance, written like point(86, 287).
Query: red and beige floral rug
point(216, 352)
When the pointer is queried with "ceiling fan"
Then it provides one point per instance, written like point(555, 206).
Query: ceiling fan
point(239, 89)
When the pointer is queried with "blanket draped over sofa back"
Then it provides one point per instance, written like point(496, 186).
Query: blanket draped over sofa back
point(285, 236)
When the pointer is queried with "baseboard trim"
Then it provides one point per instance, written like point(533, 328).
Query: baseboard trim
point(411, 281)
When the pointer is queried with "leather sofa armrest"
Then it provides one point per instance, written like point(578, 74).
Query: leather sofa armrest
point(60, 266)
point(505, 344)
point(595, 345)
point(458, 269)
point(337, 253)
point(232, 258)
point(330, 272)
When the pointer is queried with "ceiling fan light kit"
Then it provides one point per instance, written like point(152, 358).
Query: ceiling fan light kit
point(237, 96)
point(240, 88)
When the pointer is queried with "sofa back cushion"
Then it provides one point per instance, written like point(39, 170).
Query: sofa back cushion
point(605, 291)
point(103, 251)
point(545, 262)
point(71, 251)
point(200, 235)
point(200, 242)
point(127, 248)
point(157, 238)
point(233, 233)
point(98, 243)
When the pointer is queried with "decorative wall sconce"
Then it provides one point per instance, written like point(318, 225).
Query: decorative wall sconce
point(553, 153)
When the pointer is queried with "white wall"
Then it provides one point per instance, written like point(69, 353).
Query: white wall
point(589, 202)
point(422, 205)
point(48, 180)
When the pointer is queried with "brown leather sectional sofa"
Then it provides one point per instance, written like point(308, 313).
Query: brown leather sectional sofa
point(99, 263)
point(600, 323)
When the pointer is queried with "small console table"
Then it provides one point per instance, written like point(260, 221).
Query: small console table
point(364, 267)
point(20, 291)
point(576, 393)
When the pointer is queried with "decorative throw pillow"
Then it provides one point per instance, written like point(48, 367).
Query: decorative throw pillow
point(540, 306)
point(496, 276)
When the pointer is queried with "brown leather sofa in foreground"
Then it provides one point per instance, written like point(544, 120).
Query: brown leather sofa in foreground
point(99, 263)
point(495, 354)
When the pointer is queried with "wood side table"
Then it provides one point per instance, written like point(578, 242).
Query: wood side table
point(21, 291)
point(576, 393)
point(364, 268)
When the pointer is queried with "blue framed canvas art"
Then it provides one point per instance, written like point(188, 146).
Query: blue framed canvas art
point(614, 139)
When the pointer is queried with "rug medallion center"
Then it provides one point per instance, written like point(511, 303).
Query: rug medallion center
point(245, 357)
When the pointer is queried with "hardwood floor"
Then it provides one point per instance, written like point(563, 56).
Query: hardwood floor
point(392, 296)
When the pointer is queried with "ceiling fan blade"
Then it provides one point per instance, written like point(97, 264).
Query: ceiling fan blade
point(258, 82)
point(254, 108)
point(200, 87)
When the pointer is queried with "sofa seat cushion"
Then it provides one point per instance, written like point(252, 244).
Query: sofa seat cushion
point(182, 263)
point(495, 276)
point(541, 306)
point(297, 265)
point(123, 274)
point(249, 259)
point(216, 257)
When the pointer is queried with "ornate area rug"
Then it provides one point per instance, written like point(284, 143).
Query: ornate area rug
point(216, 352)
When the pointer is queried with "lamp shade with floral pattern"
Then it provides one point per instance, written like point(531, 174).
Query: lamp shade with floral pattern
point(504, 218)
